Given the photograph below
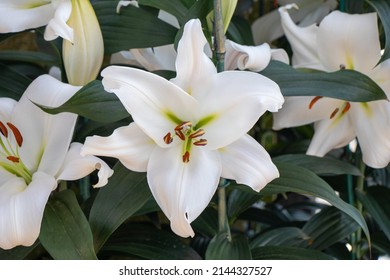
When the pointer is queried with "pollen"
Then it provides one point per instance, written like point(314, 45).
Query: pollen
point(314, 101)
point(13, 159)
point(346, 107)
point(3, 130)
point(186, 157)
point(18, 136)
point(168, 138)
point(201, 142)
point(334, 113)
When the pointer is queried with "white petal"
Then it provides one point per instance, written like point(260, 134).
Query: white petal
point(14, 17)
point(372, 123)
point(57, 26)
point(158, 58)
point(6, 108)
point(21, 209)
point(76, 166)
point(349, 40)
point(331, 134)
point(129, 144)
point(194, 68)
point(235, 103)
point(381, 75)
point(254, 58)
point(183, 190)
point(247, 162)
point(155, 104)
point(46, 137)
point(296, 111)
point(303, 41)
point(280, 55)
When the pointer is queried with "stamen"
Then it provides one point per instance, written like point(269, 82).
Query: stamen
point(3, 130)
point(180, 134)
point(13, 159)
point(198, 133)
point(334, 113)
point(342, 67)
point(17, 134)
point(201, 142)
point(185, 124)
point(313, 101)
point(168, 138)
point(346, 107)
point(186, 157)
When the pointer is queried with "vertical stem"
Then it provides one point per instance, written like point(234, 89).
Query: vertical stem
point(359, 206)
point(219, 54)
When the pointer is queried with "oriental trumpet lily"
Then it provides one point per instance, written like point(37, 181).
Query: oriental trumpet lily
point(35, 153)
point(190, 131)
point(341, 41)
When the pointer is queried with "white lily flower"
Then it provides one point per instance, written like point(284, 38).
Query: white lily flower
point(34, 156)
point(348, 42)
point(191, 130)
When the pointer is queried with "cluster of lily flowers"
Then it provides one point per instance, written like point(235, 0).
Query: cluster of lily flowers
point(187, 132)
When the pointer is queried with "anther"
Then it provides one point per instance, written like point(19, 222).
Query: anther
point(346, 107)
point(198, 133)
point(186, 157)
point(3, 130)
point(180, 134)
point(17, 134)
point(201, 142)
point(334, 113)
point(13, 159)
point(313, 101)
point(185, 124)
point(168, 138)
point(342, 67)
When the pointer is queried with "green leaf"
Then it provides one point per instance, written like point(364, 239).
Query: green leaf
point(381, 243)
point(300, 180)
point(125, 193)
point(65, 232)
point(336, 84)
point(320, 165)
point(147, 242)
point(283, 236)
point(174, 7)
point(238, 202)
point(221, 248)
point(18, 253)
point(287, 253)
point(328, 227)
point(240, 31)
point(94, 103)
point(131, 28)
point(207, 222)
point(376, 201)
point(12, 83)
point(29, 56)
point(382, 7)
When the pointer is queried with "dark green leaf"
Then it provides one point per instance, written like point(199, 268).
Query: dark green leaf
point(174, 7)
point(125, 193)
point(131, 28)
point(12, 83)
point(336, 84)
point(376, 201)
point(207, 222)
point(382, 7)
point(29, 56)
point(17, 253)
point(147, 242)
point(221, 248)
point(94, 103)
point(381, 243)
point(239, 201)
point(284, 236)
point(240, 32)
point(320, 165)
point(328, 227)
point(300, 180)
point(65, 232)
point(287, 253)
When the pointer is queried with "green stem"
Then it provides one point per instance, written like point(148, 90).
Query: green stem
point(359, 206)
point(223, 224)
point(219, 36)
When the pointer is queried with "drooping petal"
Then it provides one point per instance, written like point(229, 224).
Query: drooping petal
point(349, 40)
point(21, 209)
point(129, 144)
point(280, 55)
point(247, 162)
point(6, 108)
point(254, 58)
point(371, 122)
point(156, 105)
point(331, 134)
point(301, 110)
point(235, 103)
point(183, 190)
point(303, 41)
point(46, 137)
point(194, 68)
point(158, 58)
point(57, 26)
point(20, 15)
point(381, 75)
point(76, 166)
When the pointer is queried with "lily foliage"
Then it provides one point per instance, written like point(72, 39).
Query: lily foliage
point(286, 150)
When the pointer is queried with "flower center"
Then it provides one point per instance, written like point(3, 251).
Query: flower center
point(189, 135)
point(10, 141)
point(341, 110)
